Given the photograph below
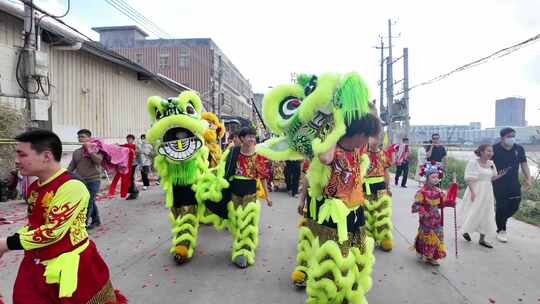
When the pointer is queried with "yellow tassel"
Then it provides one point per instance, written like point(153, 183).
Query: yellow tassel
point(387, 245)
point(261, 192)
point(298, 276)
point(182, 251)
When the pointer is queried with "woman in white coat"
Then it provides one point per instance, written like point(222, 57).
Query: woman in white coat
point(479, 200)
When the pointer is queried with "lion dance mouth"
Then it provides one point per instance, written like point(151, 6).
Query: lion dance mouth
point(179, 144)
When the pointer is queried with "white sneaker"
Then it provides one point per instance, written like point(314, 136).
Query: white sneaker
point(144, 187)
point(501, 236)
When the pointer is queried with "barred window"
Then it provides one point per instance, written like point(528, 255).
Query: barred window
point(183, 58)
point(164, 60)
point(139, 58)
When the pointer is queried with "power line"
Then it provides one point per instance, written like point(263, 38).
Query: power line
point(498, 54)
point(39, 9)
point(137, 17)
point(131, 13)
point(126, 13)
point(140, 16)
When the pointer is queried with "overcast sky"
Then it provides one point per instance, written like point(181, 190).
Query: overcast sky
point(268, 40)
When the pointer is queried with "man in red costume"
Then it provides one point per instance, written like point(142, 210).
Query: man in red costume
point(133, 191)
point(61, 264)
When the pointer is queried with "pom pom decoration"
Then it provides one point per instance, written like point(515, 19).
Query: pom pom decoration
point(431, 167)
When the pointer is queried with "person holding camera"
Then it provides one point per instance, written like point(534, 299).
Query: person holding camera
point(437, 152)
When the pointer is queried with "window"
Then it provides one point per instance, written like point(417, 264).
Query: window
point(139, 58)
point(164, 60)
point(183, 57)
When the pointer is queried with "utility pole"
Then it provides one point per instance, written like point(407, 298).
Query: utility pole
point(390, 85)
point(213, 93)
point(29, 53)
point(213, 83)
point(406, 90)
point(382, 111)
point(220, 77)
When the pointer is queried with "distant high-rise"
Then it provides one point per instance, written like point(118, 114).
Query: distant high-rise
point(510, 112)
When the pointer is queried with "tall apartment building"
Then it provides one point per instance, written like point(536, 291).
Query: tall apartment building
point(510, 112)
point(197, 63)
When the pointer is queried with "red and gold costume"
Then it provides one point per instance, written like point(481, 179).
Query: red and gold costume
point(345, 178)
point(60, 264)
point(255, 167)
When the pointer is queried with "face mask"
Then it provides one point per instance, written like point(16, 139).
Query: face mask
point(510, 141)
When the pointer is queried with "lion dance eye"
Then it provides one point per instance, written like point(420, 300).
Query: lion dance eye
point(190, 110)
point(288, 106)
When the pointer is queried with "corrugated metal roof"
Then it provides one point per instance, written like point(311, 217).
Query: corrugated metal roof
point(67, 34)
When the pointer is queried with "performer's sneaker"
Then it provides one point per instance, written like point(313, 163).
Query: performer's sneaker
point(485, 244)
point(432, 262)
point(180, 259)
point(501, 236)
point(241, 261)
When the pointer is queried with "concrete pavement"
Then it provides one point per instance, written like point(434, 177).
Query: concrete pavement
point(135, 239)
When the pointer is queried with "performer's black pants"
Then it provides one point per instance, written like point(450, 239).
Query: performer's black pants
point(292, 176)
point(133, 188)
point(402, 169)
point(505, 207)
point(238, 187)
point(144, 173)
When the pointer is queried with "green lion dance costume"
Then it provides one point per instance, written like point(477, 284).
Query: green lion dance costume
point(231, 191)
point(177, 136)
point(335, 259)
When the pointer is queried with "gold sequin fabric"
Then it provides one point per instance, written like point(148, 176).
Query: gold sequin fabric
point(324, 233)
point(104, 296)
point(242, 200)
point(180, 211)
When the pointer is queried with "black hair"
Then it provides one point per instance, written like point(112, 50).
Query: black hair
point(130, 136)
point(369, 126)
point(42, 140)
point(84, 132)
point(405, 139)
point(247, 131)
point(143, 136)
point(480, 149)
point(435, 134)
point(507, 131)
